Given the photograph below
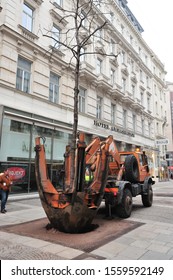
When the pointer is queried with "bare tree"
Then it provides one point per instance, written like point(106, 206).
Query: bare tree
point(84, 16)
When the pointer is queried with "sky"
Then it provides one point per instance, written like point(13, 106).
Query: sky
point(155, 17)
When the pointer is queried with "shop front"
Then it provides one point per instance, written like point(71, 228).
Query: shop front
point(18, 133)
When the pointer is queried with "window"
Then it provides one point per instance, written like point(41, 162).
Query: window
point(20, 127)
point(113, 113)
point(56, 37)
point(112, 47)
point(27, 17)
point(132, 66)
point(123, 57)
point(83, 19)
point(149, 128)
point(133, 89)
point(123, 85)
point(142, 98)
point(98, 3)
point(124, 118)
point(112, 74)
point(157, 128)
point(81, 103)
point(54, 88)
point(99, 66)
point(142, 126)
point(131, 40)
point(148, 103)
point(59, 2)
point(161, 111)
point(99, 34)
point(99, 108)
point(23, 75)
point(110, 16)
point(141, 76)
point(134, 123)
point(160, 94)
point(156, 106)
point(122, 29)
point(83, 55)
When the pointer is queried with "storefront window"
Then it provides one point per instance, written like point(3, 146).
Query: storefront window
point(46, 133)
point(60, 141)
point(15, 141)
point(17, 152)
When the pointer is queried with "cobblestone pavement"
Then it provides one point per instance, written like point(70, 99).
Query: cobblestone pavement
point(153, 240)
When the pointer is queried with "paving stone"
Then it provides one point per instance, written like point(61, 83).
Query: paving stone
point(10, 251)
point(158, 248)
point(165, 237)
point(133, 252)
point(111, 249)
point(53, 248)
point(125, 240)
point(144, 244)
point(69, 253)
point(153, 255)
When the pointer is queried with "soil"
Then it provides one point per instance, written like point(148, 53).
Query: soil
point(102, 230)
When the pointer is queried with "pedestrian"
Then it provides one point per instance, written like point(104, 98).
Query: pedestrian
point(5, 187)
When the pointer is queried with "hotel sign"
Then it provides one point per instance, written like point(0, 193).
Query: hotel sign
point(162, 142)
point(113, 128)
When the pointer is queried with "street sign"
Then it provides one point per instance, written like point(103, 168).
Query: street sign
point(162, 142)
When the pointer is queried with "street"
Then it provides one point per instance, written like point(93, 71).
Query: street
point(146, 235)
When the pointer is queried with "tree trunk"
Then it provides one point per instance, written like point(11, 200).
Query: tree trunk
point(75, 127)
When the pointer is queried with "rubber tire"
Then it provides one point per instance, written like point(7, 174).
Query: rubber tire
point(131, 169)
point(125, 208)
point(147, 199)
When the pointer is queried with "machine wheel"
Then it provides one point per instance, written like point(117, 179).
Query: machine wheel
point(147, 199)
point(131, 169)
point(125, 208)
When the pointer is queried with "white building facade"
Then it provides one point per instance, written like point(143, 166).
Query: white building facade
point(124, 97)
point(169, 128)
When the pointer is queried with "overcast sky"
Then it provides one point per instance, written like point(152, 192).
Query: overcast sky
point(155, 16)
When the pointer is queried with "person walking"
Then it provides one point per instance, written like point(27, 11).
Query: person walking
point(5, 187)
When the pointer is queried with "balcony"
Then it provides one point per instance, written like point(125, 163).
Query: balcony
point(116, 93)
point(39, 2)
point(127, 99)
point(124, 70)
point(103, 82)
point(86, 72)
point(137, 105)
point(133, 78)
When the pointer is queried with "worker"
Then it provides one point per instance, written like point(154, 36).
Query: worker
point(5, 187)
point(88, 176)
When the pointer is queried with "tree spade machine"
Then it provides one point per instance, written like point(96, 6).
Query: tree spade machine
point(101, 173)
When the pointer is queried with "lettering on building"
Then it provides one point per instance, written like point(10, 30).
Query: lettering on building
point(113, 128)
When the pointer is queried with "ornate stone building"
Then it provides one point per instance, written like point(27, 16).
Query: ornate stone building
point(124, 97)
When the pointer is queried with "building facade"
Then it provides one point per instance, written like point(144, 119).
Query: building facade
point(169, 128)
point(122, 84)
